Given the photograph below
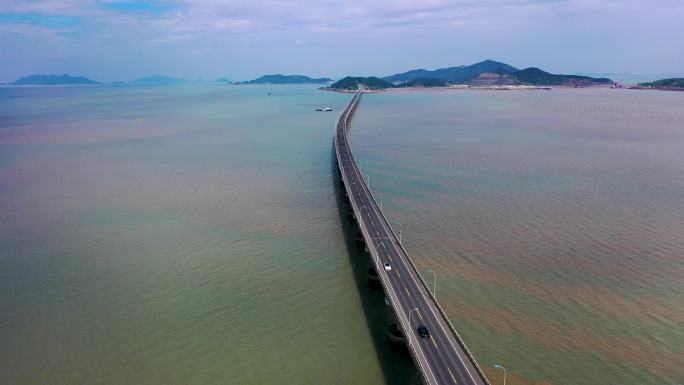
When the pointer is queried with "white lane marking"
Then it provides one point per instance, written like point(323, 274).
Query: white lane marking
point(435, 315)
point(452, 376)
point(392, 292)
point(429, 305)
point(393, 295)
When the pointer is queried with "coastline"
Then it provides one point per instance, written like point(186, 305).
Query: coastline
point(494, 88)
point(459, 88)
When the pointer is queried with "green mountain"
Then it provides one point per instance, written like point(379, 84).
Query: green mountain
point(355, 83)
point(673, 83)
point(452, 74)
point(287, 79)
point(51, 80)
point(535, 76)
point(490, 72)
point(425, 82)
point(158, 80)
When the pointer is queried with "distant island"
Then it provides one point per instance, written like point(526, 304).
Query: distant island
point(487, 73)
point(287, 79)
point(158, 80)
point(53, 80)
point(673, 84)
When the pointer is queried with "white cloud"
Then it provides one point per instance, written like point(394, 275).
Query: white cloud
point(442, 31)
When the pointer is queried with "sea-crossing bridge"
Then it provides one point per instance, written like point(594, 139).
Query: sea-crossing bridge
point(443, 358)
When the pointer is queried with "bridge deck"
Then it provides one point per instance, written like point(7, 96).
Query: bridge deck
point(443, 358)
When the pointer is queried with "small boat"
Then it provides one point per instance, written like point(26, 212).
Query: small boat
point(327, 109)
point(319, 109)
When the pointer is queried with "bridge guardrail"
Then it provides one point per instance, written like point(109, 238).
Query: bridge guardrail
point(349, 111)
point(455, 333)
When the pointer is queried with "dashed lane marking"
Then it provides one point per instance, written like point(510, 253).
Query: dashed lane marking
point(452, 375)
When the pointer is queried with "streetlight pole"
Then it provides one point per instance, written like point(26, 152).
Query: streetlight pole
point(498, 366)
point(412, 310)
point(409, 332)
point(434, 285)
point(377, 260)
point(401, 228)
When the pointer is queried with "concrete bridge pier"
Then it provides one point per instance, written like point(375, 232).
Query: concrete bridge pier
point(394, 332)
point(359, 239)
point(373, 279)
point(395, 335)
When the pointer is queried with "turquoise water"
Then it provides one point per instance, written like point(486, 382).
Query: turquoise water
point(192, 235)
point(554, 220)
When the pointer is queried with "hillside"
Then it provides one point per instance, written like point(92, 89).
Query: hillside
point(52, 80)
point(425, 82)
point(355, 83)
point(537, 77)
point(494, 79)
point(491, 73)
point(287, 79)
point(453, 74)
point(410, 75)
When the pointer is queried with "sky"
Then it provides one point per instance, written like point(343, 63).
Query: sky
point(109, 40)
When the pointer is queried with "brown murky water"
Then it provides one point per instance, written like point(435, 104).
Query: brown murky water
point(554, 220)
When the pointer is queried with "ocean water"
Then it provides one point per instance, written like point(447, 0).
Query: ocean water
point(553, 219)
point(185, 235)
point(192, 235)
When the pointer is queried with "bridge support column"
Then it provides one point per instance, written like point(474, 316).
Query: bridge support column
point(373, 279)
point(395, 335)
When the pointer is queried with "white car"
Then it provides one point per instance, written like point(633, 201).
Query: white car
point(387, 266)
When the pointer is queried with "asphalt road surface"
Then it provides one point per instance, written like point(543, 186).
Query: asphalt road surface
point(440, 358)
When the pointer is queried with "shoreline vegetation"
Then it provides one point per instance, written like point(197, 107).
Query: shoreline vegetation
point(455, 87)
point(672, 84)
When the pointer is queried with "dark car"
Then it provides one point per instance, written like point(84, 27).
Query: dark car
point(423, 332)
